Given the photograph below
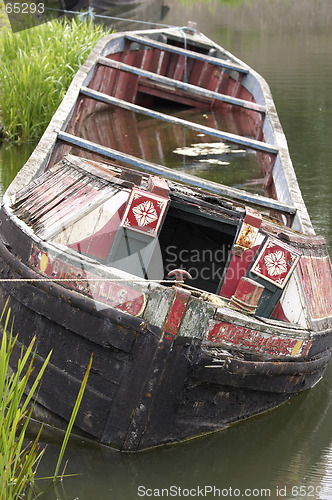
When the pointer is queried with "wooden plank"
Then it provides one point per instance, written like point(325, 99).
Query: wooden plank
point(188, 53)
point(191, 180)
point(226, 136)
point(177, 84)
point(144, 406)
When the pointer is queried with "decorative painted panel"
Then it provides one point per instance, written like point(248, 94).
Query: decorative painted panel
point(144, 212)
point(275, 262)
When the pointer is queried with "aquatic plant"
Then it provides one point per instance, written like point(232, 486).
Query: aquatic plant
point(36, 68)
point(19, 457)
point(18, 460)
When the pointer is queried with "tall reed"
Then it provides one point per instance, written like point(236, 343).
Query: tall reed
point(18, 460)
point(36, 68)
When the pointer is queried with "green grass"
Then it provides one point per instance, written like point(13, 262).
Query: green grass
point(37, 66)
point(4, 21)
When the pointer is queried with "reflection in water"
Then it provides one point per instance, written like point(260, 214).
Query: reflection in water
point(161, 142)
point(284, 448)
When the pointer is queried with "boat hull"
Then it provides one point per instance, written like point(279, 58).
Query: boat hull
point(145, 388)
point(80, 230)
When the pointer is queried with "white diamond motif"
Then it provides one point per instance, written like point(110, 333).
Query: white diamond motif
point(276, 263)
point(145, 213)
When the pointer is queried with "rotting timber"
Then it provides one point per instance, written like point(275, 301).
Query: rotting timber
point(94, 239)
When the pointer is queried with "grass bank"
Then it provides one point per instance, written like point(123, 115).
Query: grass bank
point(36, 67)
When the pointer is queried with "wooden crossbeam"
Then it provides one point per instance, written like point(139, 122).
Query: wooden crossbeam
point(179, 85)
point(225, 136)
point(189, 53)
point(177, 176)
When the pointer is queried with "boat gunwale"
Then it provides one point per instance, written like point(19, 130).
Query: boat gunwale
point(286, 329)
point(39, 158)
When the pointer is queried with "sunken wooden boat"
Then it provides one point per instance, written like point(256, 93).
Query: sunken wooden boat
point(202, 303)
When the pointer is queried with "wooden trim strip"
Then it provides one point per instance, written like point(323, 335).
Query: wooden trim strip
point(187, 87)
point(191, 180)
point(188, 53)
point(226, 136)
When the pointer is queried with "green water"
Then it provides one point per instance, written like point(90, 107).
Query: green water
point(286, 453)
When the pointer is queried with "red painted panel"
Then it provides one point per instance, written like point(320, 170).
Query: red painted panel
point(144, 212)
point(253, 217)
point(238, 336)
point(126, 86)
point(316, 275)
point(164, 63)
point(118, 295)
point(236, 269)
point(176, 313)
point(196, 72)
point(276, 262)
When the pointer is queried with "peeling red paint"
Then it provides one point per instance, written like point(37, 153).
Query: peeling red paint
point(260, 342)
point(158, 186)
point(315, 274)
point(236, 269)
point(253, 217)
point(176, 313)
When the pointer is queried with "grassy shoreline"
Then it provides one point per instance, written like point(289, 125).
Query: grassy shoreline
point(36, 68)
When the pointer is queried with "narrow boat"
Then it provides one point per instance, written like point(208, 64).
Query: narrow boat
point(202, 302)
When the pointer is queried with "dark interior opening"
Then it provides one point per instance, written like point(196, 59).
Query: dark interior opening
point(199, 244)
point(162, 103)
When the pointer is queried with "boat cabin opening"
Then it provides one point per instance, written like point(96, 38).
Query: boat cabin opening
point(200, 244)
point(148, 230)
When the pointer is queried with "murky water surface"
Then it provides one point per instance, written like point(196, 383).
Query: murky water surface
point(286, 453)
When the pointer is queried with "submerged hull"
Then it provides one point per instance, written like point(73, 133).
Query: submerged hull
point(87, 244)
point(145, 389)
